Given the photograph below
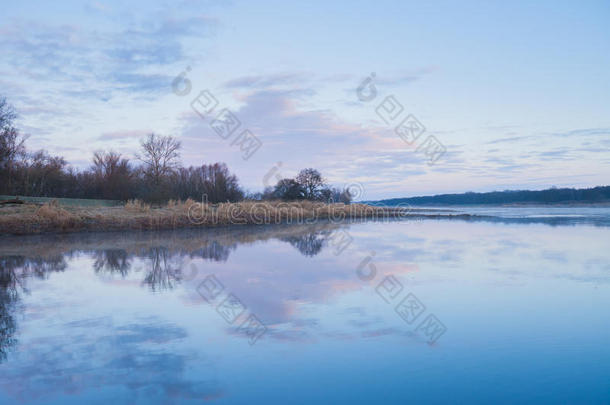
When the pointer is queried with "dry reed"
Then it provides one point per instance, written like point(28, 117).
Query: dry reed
point(181, 214)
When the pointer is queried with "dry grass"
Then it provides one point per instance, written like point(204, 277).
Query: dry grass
point(51, 214)
point(137, 215)
point(138, 206)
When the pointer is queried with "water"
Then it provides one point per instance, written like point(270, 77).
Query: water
point(595, 215)
point(520, 314)
point(526, 214)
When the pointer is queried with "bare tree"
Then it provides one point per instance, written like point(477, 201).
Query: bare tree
point(44, 174)
point(215, 181)
point(113, 175)
point(160, 156)
point(11, 145)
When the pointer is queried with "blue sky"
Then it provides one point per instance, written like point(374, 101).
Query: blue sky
point(517, 92)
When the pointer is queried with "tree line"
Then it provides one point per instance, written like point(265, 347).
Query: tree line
point(548, 196)
point(156, 174)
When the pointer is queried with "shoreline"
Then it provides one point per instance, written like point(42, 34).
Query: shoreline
point(50, 218)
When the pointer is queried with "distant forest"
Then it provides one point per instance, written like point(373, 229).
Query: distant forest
point(549, 196)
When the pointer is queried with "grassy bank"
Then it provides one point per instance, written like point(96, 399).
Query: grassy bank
point(135, 215)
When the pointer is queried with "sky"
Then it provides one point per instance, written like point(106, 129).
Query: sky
point(504, 95)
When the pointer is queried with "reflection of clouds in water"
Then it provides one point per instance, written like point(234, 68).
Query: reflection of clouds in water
point(504, 247)
point(292, 282)
point(358, 317)
point(290, 335)
point(381, 332)
point(355, 310)
point(365, 323)
point(164, 266)
point(93, 353)
point(274, 282)
point(298, 330)
point(554, 256)
point(14, 270)
point(305, 322)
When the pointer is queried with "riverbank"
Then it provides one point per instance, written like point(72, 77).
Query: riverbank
point(51, 217)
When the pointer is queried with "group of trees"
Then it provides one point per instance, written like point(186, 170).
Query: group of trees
point(156, 175)
point(307, 185)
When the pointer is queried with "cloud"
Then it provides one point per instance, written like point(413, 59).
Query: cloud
point(89, 62)
point(303, 137)
point(299, 79)
point(266, 81)
point(136, 82)
point(337, 78)
point(290, 80)
point(400, 78)
point(584, 132)
point(558, 154)
point(300, 137)
point(587, 132)
point(117, 135)
point(511, 139)
point(97, 7)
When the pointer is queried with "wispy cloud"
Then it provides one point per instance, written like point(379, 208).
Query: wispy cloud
point(584, 132)
point(397, 79)
point(510, 139)
point(114, 136)
point(265, 81)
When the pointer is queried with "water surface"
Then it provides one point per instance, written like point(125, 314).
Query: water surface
point(498, 313)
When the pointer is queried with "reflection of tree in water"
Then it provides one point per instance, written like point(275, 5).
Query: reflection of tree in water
point(163, 272)
point(309, 244)
point(13, 271)
point(214, 251)
point(38, 266)
point(165, 269)
point(8, 299)
point(112, 260)
point(165, 265)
